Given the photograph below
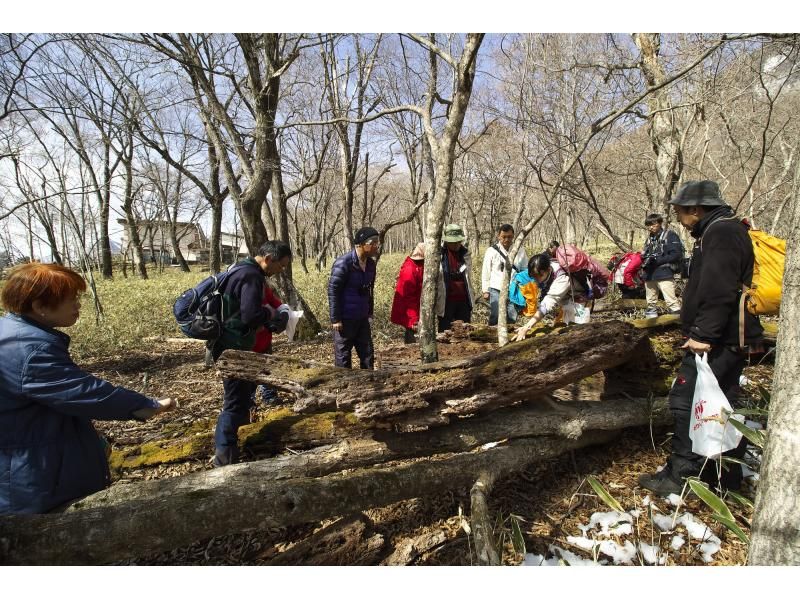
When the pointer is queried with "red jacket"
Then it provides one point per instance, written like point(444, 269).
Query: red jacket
point(263, 343)
point(632, 267)
point(407, 294)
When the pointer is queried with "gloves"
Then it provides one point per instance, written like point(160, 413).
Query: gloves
point(280, 319)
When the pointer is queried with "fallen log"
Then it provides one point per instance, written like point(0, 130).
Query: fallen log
point(158, 515)
point(237, 498)
point(567, 419)
point(432, 394)
point(480, 520)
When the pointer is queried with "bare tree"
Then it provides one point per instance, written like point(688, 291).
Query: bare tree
point(775, 537)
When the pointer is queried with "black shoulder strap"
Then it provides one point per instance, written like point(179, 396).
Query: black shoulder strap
point(506, 257)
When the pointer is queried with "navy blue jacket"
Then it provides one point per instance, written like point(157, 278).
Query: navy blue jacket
point(350, 289)
point(667, 248)
point(49, 451)
point(243, 309)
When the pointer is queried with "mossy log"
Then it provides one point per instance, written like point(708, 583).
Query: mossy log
point(179, 511)
point(432, 394)
point(135, 519)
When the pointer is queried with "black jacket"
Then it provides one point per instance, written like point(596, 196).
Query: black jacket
point(667, 248)
point(722, 259)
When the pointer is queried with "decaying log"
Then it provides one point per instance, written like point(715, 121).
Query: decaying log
point(567, 420)
point(431, 394)
point(662, 321)
point(349, 541)
point(178, 511)
point(159, 515)
point(409, 550)
point(481, 522)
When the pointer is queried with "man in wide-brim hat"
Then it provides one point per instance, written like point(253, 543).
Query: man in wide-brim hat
point(722, 261)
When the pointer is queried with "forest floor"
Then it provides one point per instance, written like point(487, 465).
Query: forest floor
point(543, 506)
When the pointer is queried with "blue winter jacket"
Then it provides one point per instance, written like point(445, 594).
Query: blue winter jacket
point(350, 289)
point(49, 451)
point(666, 248)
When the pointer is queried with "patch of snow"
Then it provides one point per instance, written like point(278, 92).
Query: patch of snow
point(610, 523)
point(674, 500)
point(635, 513)
point(708, 549)
point(651, 554)
point(572, 559)
point(700, 531)
point(622, 555)
point(489, 445)
point(664, 522)
point(646, 500)
point(753, 425)
point(677, 542)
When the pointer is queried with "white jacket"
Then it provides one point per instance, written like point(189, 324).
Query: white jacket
point(493, 263)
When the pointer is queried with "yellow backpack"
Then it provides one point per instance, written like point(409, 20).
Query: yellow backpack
point(764, 295)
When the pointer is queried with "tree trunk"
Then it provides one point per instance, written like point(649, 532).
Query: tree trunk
point(432, 394)
point(165, 514)
point(776, 523)
point(443, 150)
point(663, 131)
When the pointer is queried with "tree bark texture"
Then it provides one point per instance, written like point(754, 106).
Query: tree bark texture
point(775, 536)
point(177, 511)
point(431, 394)
point(663, 131)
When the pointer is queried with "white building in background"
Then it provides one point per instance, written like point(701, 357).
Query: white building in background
point(192, 242)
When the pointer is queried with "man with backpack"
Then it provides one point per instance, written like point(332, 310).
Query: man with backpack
point(662, 257)
point(713, 324)
point(243, 315)
point(351, 300)
point(495, 264)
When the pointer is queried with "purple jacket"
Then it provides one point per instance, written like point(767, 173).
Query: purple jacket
point(350, 289)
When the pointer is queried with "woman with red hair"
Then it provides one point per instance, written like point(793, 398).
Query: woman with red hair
point(50, 453)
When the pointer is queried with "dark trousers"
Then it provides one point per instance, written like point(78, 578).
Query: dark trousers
point(455, 310)
point(628, 293)
point(358, 334)
point(494, 308)
point(237, 401)
point(727, 365)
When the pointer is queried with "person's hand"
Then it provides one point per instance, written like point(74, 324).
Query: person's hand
point(148, 412)
point(696, 347)
point(166, 405)
point(336, 326)
point(486, 296)
point(521, 333)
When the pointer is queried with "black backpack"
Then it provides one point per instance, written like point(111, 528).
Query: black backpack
point(198, 311)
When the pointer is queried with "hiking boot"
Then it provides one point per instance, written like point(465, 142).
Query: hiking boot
point(224, 457)
point(675, 312)
point(661, 483)
point(651, 313)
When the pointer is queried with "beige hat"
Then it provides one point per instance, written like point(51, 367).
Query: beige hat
point(419, 252)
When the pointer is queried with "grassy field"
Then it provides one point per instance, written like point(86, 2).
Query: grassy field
point(136, 309)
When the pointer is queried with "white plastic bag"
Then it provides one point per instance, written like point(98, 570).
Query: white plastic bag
point(708, 428)
point(575, 313)
point(291, 325)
